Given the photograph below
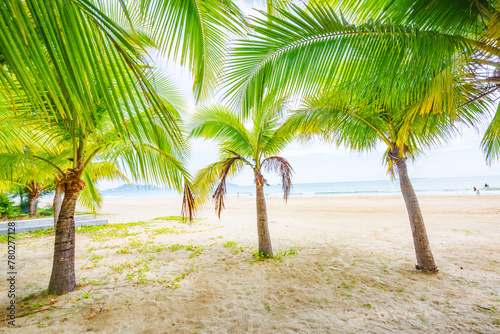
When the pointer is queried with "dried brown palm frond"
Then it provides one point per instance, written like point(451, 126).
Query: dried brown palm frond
point(221, 190)
point(284, 170)
point(188, 203)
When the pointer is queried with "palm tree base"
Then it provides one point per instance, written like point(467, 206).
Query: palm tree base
point(431, 270)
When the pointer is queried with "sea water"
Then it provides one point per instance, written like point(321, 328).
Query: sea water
point(462, 186)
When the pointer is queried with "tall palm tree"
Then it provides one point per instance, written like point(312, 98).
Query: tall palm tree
point(82, 64)
point(387, 65)
point(362, 123)
point(256, 146)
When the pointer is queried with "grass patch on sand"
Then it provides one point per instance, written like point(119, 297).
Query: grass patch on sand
point(180, 219)
point(170, 230)
point(277, 255)
point(110, 231)
point(28, 235)
point(98, 232)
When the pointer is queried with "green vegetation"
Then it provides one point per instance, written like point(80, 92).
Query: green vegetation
point(102, 232)
point(178, 219)
point(276, 256)
point(254, 144)
point(168, 230)
point(28, 235)
point(6, 207)
point(230, 244)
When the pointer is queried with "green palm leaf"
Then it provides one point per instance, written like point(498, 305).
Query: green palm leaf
point(220, 123)
point(90, 198)
point(491, 140)
point(456, 18)
point(278, 57)
point(196, 33)
point(59, 78)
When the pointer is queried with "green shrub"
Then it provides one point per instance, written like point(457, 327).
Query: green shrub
point(6, 206)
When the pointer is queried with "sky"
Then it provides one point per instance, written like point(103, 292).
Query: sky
point(317, 162)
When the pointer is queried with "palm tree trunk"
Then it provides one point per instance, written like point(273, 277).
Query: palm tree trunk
point(425, 260)
point(32, 208)
point(265, 246)
point(57, 202)
point(33, 196)
point(63, 278)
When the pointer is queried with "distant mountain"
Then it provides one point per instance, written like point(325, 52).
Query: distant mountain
point(134, 187)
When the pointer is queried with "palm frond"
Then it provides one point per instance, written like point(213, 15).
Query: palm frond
point(147, 163)
point(220, 191)
point(460, 17)
point(208, 179)
point(491, 139)
point(105, 170)
point(283, 168)
point(188, 203)
point(360, 122)
point(220, 123)
point(90, 198)
point(29, 164)
point(60, 80)
point(335, 116)
point(196, 33)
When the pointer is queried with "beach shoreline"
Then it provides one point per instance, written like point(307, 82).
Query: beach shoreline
point(351, 269)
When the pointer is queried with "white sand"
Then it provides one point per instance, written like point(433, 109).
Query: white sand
point(354, 271)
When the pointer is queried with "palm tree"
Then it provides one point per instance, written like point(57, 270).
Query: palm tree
point(104, 70)
point(388, 65)
point(361, 123)
point(98, 85)
point(100, 152)
point(26, 176)
point(256, 146)
point(31, 177)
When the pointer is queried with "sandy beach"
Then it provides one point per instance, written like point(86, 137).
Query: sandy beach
point(348, 268)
